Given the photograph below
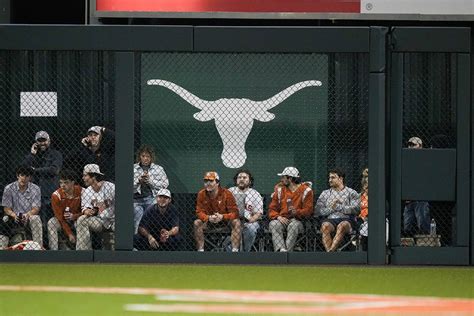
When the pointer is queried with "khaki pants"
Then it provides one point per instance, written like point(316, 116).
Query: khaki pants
point(277, 229)
point(36, 228)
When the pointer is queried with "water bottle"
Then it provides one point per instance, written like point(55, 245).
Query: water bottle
point(433, 227)
point(68, 216)
point(289, 203)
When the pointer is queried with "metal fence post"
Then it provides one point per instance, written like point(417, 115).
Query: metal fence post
point(124, 125)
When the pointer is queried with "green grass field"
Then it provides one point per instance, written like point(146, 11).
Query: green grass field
point(406, 281)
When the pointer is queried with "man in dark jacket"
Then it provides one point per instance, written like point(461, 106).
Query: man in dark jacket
point(98, 148)
point(46, 163)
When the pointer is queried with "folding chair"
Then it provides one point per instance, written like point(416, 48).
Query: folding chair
point(216, 238)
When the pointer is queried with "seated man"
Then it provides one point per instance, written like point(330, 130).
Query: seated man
point(159, 227)
point(339, 205)
point(21, 203)
point(66, 203)
point(98, 207)
point(250, 204)
point(291, 202)
point(215, 206)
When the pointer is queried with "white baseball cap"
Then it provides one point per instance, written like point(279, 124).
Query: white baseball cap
point(290, 171)
point(164, 192)
point(95, 129)
point(92, 168)
point(416, 141)
point(42, 134)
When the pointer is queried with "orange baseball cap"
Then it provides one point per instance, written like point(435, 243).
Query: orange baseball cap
point(211, 175)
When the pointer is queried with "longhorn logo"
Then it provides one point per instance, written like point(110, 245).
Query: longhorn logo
point(234, 117)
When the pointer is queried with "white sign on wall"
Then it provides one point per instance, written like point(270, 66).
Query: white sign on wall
point(38, 104)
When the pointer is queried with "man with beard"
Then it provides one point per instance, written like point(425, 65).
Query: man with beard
point(291, 202)
point(46, 164)
point(98, 148)
point(216, 208)
point(159, 226)
point(340, 205)
point(250, 204)
point(98, 207)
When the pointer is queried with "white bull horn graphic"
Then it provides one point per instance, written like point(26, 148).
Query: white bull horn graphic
point(234, 117)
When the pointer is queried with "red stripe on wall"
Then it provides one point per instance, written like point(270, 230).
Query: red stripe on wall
point(346, 6)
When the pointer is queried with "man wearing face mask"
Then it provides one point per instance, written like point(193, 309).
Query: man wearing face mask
point(46, 164)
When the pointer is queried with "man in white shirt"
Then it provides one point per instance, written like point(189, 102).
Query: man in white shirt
point(250, 205)
point(98, 206)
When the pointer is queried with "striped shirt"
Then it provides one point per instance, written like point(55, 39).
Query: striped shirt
point(21, 202)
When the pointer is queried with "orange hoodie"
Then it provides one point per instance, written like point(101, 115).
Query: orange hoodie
point(224, 204)
point(304, 206)
point(59, 202)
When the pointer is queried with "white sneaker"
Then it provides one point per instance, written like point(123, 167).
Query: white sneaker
point(201, 250)
point(283, 250)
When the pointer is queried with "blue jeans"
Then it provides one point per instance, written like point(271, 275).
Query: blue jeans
point(139, 207)
point(249, 233)
point(416, 218)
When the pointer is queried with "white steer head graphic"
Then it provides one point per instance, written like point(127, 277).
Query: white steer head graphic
point(234, 117)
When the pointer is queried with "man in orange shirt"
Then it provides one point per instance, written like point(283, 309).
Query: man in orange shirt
point(215, 206)
point(66, 204)
point(291, 202)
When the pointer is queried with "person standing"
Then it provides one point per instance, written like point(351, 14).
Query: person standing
point(148, 179)
point(99, 149)
point(46, 164)
point(416, 214)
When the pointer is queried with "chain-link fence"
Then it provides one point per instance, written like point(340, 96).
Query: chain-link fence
point(57, 167)
point(287, 119)
point(429, 121)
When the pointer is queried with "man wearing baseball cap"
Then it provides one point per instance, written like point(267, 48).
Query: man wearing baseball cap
point(416, 214)
point(415, 142)
point(46, 163)
point(98, 148)
point(98, 206)
point(291, 202)
point(216, 207)
point(159, 226)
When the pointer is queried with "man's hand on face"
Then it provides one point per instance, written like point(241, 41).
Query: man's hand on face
point(34, 149)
